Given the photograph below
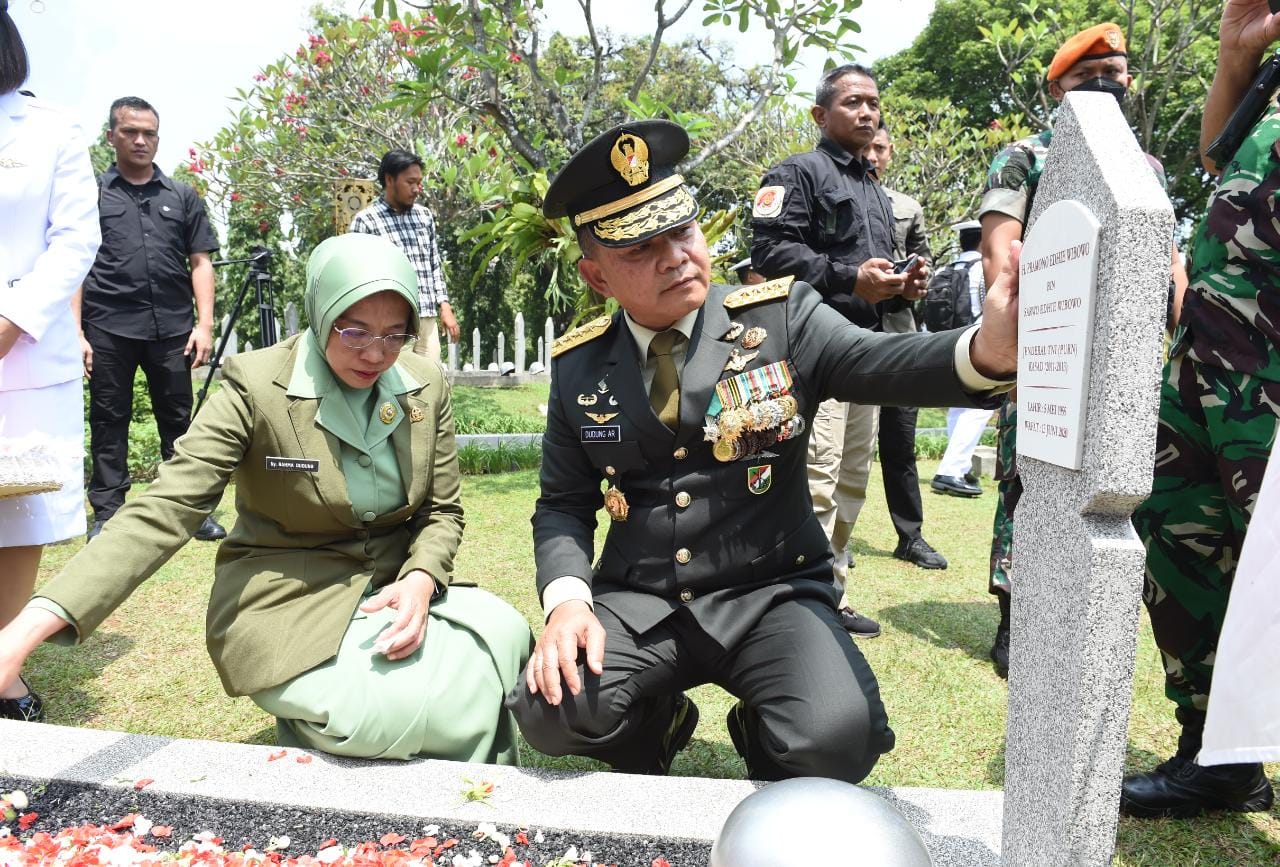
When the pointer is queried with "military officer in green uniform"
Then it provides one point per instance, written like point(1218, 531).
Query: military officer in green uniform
point(330, 605)
point(685, 417)
point(1218, 417)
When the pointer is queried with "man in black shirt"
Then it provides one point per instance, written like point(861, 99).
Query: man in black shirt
point(823, 217)
point(136, 308)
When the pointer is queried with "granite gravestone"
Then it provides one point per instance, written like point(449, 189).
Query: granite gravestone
point(1077, 561)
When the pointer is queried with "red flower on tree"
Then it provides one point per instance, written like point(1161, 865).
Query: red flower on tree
point(461, 140)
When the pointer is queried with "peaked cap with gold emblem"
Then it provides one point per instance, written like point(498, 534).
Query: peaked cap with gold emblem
point(623, 185)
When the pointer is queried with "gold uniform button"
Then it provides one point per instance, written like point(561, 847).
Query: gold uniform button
point(610, 471)
point(686, 595)
point(683, 555)
point(683, 499)
point(800, 560)
point(681, 453)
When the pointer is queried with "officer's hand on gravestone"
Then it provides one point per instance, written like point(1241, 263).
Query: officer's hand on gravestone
point(994, 351)
point(876, 281)
point(572, 625)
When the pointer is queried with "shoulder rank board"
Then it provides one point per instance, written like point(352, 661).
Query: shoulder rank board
point(749, 295)
point(580, 335)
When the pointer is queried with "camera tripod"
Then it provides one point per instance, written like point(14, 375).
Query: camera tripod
point(259, 277)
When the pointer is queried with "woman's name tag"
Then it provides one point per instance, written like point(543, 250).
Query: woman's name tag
point(302, 465)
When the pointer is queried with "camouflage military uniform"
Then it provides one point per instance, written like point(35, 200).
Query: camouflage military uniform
point(1010, 190)
point(1218, 409)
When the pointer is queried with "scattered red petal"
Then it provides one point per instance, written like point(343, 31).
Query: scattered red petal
point(161, 831)
point(522, 838)
point(305, 759)
point(125, 822)
point(332, 841)
point(143, 783)
point(26, 820)
point(277, 755)
point(391, 838)
point(660, 862)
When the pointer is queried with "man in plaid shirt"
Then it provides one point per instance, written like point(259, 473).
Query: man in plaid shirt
point(399, 218)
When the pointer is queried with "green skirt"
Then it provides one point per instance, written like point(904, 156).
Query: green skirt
point(443, 702)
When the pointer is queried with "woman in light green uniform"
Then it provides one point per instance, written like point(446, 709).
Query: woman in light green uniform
point(331, 606)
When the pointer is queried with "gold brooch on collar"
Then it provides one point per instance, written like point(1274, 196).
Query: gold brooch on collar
point(416, 414)
point(387, 412)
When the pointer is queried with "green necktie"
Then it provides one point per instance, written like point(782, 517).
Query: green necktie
point(664, 393)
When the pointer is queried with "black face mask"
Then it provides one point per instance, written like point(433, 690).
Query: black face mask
point(1103, 85)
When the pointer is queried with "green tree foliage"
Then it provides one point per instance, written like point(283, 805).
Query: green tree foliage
point(989, 59)
point(940, 159)
point(547, 95)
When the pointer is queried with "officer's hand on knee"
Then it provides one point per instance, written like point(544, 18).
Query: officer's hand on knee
point(572, 625)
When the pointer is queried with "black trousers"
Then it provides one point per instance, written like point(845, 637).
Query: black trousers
point(813, 704)
point(897, 443)
point(115, 361)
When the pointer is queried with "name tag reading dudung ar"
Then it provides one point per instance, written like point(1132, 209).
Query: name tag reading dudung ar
point(600, 433)
point(302, 465)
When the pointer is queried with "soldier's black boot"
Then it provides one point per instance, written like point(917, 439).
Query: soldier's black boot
point(1180, 788)
point(1000, 649)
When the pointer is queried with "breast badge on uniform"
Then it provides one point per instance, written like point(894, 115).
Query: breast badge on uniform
point(752, 411)
point(738, 361)
point(759, 478)
point(387, 412)
point(732, 334)
point(601, 417)
point(615, 503)
point(768, 202)
point(587, 399)
point(754, 337)
point(416, 415)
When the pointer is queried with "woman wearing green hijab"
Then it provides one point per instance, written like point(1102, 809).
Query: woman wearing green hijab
point(330, 605)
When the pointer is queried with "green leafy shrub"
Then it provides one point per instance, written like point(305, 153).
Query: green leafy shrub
point(478, 461)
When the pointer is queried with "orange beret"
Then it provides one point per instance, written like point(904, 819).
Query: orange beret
point(1104, 40)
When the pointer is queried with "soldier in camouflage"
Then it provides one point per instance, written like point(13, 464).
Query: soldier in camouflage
point(1218, 408)
point(1092, 60)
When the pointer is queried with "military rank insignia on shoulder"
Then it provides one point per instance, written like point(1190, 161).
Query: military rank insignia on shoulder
point(580, 335)
point(749, 295)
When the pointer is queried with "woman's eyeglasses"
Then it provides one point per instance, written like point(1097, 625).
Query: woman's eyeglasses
point(359, 338)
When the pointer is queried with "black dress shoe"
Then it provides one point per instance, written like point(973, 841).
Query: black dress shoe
point(857, 625)
point(210, 531)
point(94, 529)
point(1000, 650)
point(683, 721)
point(29, 708)
point(971, 479)
point(1180, 788)
point(921, 553)
point(954, 487)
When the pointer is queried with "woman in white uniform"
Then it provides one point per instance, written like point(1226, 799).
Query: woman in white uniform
point(49, 236)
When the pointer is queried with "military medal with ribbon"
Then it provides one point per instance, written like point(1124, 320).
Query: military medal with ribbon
point(751, 411)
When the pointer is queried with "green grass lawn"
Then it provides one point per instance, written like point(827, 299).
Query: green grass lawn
point(146, 669)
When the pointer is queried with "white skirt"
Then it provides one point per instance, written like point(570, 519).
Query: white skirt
point(55, 415)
